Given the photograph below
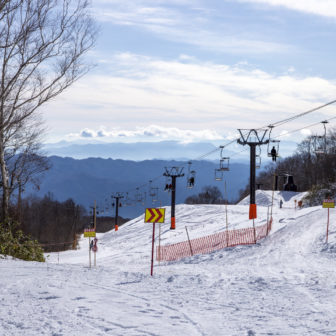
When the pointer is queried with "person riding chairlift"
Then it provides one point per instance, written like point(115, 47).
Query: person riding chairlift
point(168, 187)
point(274, 154)
point(191, 181)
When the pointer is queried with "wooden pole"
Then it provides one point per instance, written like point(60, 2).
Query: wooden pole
point(226, 216)
point(94, 262)
point(94, 216)
point(191, 251)
point(254, 233)
point(153, 239)
point(159, 243)
point(327, 227)
point(90, 252)
point(273, 195)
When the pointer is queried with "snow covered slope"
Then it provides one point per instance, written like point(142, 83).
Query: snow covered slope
point(264, 198)
point(284, 285)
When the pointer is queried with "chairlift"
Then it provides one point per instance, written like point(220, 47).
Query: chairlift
point(168, 184)
point(258, 158)
point(320, 141)
point(218, 174)
point(224, 162)
point(190, 176)
point(128, 201)
point(138, 196)
point(272, 144)
point(154, 194)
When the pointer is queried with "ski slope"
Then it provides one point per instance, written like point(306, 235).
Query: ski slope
point(284, 285)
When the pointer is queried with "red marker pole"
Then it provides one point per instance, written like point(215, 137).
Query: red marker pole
point(152, 264)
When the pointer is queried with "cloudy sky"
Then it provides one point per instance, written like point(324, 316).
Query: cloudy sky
point(196, 70)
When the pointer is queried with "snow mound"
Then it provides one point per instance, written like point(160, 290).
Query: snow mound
point(264, 198)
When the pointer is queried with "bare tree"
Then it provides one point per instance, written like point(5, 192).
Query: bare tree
point(42, 46)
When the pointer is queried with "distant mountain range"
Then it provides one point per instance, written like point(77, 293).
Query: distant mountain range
point(162, 150)
point(92, 179)
point(138, 151)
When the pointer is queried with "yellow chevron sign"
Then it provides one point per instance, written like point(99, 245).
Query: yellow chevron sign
point(155, 215)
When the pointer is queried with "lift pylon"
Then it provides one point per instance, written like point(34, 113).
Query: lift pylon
point(173, 173)
point(253, 138)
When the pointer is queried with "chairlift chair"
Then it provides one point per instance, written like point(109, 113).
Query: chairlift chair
point(270, 145)
point(152, 190)
point(319, 144)
point(190, 176)
point(258, 158)
point(167, 187)
point(218, 174)
point(224, 162)
point(154, 193)
point(191, 179)
point(138, 196)
point(320, 141)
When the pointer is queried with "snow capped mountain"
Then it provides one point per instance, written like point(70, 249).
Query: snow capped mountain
point(283, 285)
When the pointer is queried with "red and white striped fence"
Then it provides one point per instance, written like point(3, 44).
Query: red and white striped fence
point(212, 242)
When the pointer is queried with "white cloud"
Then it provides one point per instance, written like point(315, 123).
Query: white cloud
point(317, 7)
point(149, 133)
point(193, 96)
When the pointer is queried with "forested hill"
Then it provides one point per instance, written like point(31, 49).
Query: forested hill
point(92, 179)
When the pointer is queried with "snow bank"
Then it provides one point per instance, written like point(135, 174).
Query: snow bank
point(264, 198)
point(284, 285)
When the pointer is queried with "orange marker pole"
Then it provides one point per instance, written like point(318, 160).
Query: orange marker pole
point(152, 263)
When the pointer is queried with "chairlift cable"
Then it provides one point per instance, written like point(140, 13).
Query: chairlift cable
point(302, 128)
point(299, 115)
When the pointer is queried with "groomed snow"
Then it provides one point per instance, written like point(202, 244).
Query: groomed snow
point(284, 285)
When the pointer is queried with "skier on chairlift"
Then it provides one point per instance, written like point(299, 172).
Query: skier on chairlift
point(191, 181)
point(274, 154)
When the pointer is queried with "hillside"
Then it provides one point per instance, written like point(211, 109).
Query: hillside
point(283, 285)
point(96, 179)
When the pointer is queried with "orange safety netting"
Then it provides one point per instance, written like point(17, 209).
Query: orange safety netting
point(212, 242)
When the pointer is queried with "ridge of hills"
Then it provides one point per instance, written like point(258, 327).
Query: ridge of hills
point(91, 179)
